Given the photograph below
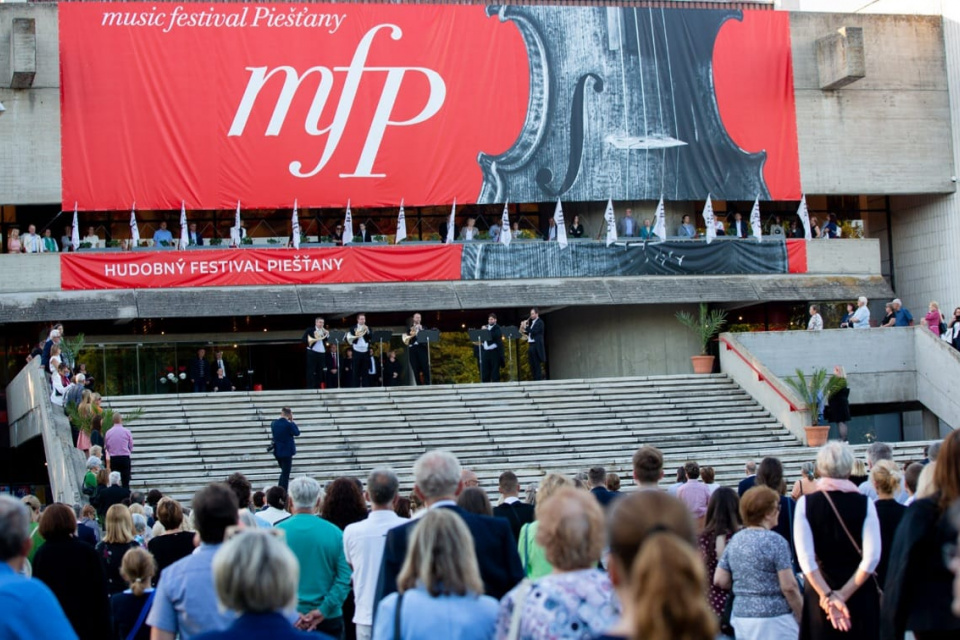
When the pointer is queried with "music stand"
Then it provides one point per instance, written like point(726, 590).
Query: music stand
point(428, 336)
point(511, 334)
point(381, 337)
point(337, 337)
point(479, 336)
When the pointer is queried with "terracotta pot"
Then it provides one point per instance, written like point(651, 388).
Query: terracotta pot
point(817, 436)
point(702, 364)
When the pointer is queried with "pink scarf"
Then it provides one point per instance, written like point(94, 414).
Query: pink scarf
point(835, 484)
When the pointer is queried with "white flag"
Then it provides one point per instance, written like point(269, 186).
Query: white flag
point(295, 226)
point(506, 235)
point(709, 220)
point(561, 226)
point(755, 219)
point(75, 235)
point(659, 223)
point(611, 219)
point(235, 234)
point(134, 229)
point(184, 237)
point(348, 226)
point(804, 217)
point(451, 224)
point(401, 225)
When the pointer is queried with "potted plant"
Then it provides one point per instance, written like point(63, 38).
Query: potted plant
point(216, 242)
point(706, 327)
point(813, 389)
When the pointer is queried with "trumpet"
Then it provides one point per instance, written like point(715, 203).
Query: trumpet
point(410, 335)
point(319, 335)
point(524, 325)
point(357, 334)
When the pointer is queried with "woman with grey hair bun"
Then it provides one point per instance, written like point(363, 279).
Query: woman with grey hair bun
point(837, 535)
point(806, 483)
point(256, 575)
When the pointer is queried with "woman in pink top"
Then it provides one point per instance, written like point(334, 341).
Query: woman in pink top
point(933, 318)
point(13, 242)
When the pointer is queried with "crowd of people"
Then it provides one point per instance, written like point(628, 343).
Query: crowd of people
point(857, 316)
point(578, 558)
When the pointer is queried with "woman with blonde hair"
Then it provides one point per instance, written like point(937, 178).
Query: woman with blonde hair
point(14, 244)
point(886, 479)
point(130, 607)
point(118, 539)
point(535, 564)
point(439, 590)
point(659, 578)
point(934, 319)
point(577, 598)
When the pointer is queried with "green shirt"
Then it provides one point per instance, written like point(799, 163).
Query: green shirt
point(90, 480)
point(324, 572)
point(37, 540)
point(532, 556)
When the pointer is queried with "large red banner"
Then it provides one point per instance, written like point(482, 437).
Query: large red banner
point(325, 103)
point(232, 267)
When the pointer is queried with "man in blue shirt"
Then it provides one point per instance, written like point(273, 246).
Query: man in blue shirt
point(161, 236)
point(30, 610)
point(902, 315)
point(186, 598)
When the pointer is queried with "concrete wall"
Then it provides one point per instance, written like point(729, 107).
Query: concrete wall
point(926, 229)
point(886, 133)
point(619, 341)
point(30, 415)
point(30, 126)
point(844, 256)
point(936, 389)
point(880, 364)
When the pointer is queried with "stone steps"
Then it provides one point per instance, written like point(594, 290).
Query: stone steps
point(185, 441)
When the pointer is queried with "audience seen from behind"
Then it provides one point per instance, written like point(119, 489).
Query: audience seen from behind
point(130, 607)
point(758, 567)
point(186, 601)
point(770, 474)
point(439, 590)
point(255, 576)
point(512, 509)
point(659, 579)
point(837, 537)
point(73, 572)
point(532, 557)
point(38, 613)
point(917, 594)
point(886, 477)
point(694, 493)
point(174, 543)
point(577, 596)
point(723, 520)
point(475, 500)
point(118, 537)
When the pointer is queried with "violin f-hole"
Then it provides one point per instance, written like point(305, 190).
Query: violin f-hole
point(545, 175)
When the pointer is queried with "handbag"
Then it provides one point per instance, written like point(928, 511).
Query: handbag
point(876, 582)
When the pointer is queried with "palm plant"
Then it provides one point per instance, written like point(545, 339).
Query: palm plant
point(706, 326)
point(814, 388)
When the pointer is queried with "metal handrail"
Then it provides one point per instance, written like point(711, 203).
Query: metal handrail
point(760, 376)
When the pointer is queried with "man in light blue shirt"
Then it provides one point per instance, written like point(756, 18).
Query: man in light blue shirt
point(161, 236)
point(30, 610)
point(861, 317)
point(875, 453)
point(186, 598)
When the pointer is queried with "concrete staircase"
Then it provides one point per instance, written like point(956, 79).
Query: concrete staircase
point(185, 441)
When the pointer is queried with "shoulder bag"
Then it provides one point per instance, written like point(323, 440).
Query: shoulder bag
point(873, 575)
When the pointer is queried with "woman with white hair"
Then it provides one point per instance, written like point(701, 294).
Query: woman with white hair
point(861, 317)
point(256, 575)
point(439, 591)
point(837, 535)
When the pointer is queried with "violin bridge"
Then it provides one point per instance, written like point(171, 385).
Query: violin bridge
point(618, 141)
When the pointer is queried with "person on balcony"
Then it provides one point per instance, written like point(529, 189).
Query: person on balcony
point(162, 238)
point(627, 226)
point(738, 227)
point(861, 317)
point(816, 322)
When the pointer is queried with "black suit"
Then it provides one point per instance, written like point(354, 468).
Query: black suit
point(316, 360)
point(417, 353)
point(495, 547)
point(603, 495)
point(536, 352)
point(743, 232)
point(746, 484)
point(195, 238)
point(517, 514)
point(283, 432)
point(492, 359)
point(361, 360)
point(199, 373)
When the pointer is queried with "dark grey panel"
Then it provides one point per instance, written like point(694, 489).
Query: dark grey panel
point(216, 301)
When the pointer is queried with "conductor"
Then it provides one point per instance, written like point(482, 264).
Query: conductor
point(283, 430)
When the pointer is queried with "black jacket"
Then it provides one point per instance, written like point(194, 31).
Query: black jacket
point(517, 514)
point(73, 572)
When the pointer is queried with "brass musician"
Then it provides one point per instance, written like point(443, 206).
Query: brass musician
point(315, 340)
point(417, 351)
point(359, 340)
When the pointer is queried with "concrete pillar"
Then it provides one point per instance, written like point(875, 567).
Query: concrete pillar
point(840, 58)
point(931, 425)
point(23, 53)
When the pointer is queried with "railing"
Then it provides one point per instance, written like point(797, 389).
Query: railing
point(760, 376)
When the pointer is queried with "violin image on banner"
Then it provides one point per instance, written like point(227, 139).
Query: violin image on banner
point(621, 104)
